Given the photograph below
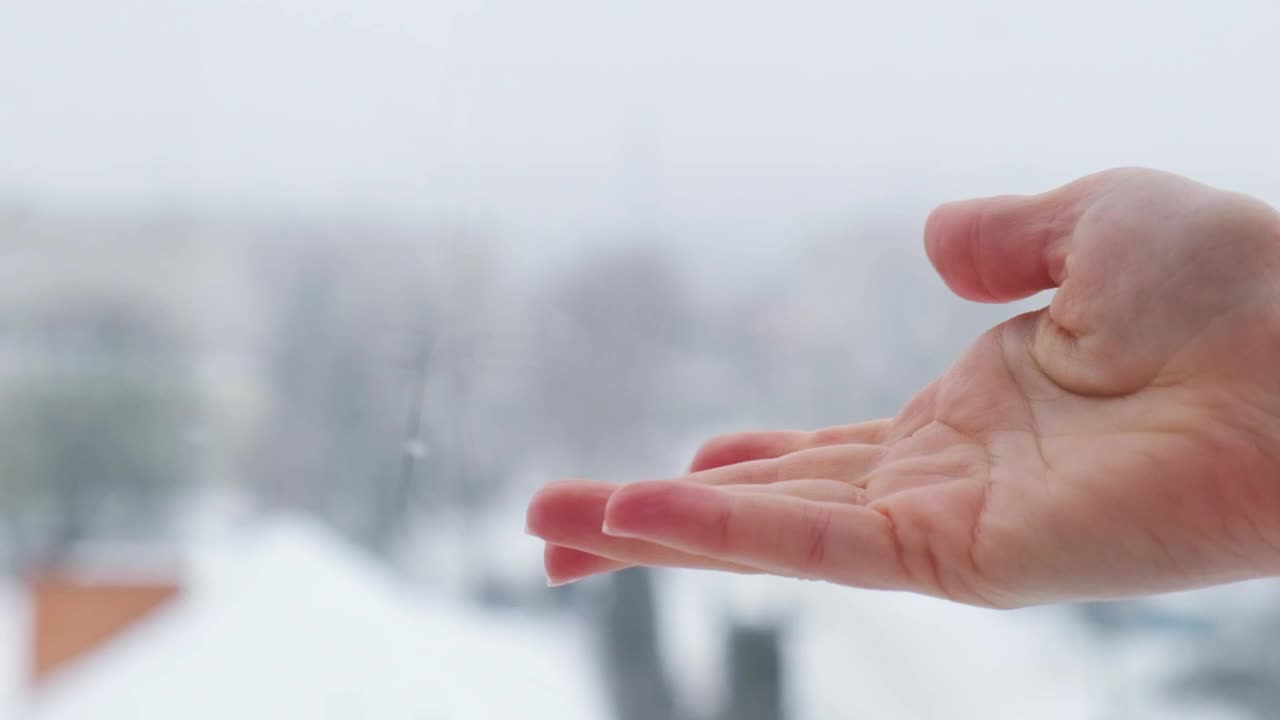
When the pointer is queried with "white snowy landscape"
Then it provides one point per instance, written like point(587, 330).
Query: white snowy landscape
point(281, 618)
point(309, 296)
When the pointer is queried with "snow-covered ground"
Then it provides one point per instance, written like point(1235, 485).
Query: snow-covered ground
point(280, 619)
point(865, 654)
point(285, 621)
point(852, 653)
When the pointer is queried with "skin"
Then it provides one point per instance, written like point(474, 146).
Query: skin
point(1123, 441)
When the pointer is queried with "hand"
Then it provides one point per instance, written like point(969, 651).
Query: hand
point(1124, 440)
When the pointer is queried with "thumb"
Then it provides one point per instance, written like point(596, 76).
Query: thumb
point(1004, 248)
point(1154, 259)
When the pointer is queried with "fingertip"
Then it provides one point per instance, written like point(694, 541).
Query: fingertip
point(734, 448)
point(711, 454)
point(950, 237)
point(934, 224)
point(615, 532)
point(565, 507)
point(539, 512)
point(633, 502)
point(631, 508)
point(998, 249)
point(648, 509)
point(564, 565)
point(535, 515)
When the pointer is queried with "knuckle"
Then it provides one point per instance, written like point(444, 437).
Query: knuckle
point(724, 527)
point(818, 523)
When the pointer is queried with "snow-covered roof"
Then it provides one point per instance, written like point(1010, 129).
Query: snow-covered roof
point(284, 620)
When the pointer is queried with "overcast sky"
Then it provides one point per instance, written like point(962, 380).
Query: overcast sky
point(719, 121)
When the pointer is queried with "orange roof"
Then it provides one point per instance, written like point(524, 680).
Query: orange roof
point(71, 616)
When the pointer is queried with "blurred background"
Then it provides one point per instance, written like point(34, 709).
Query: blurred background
point(300, 300)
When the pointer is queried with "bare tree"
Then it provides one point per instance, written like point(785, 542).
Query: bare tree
point(755, 673)
point(97, 403)
point(606, 403)
point(627, 623)
point(617, 324)
point(463, 404)
point(379, 388)
point(331, 442)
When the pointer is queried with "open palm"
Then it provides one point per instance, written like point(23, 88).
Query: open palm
point(1124, 440)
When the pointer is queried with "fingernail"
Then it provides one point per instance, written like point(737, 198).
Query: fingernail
point(561, 582)
point(611, 531)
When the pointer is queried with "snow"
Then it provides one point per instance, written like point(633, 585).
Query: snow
point(865, 654)
point(280, 618)
point(13, 643)
point(918, 657)
point(284, 620)
point(451, 551)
